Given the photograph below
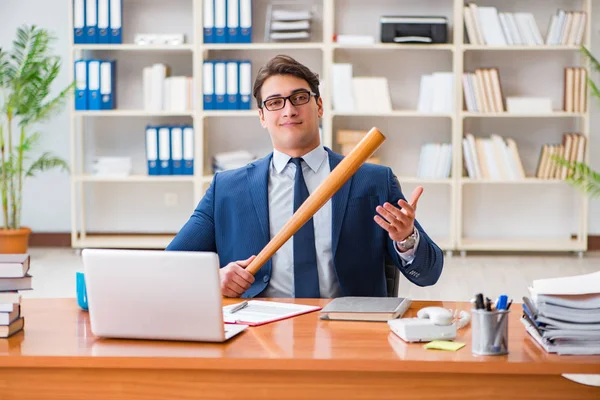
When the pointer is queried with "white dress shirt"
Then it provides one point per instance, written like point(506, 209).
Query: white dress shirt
point(315, 168)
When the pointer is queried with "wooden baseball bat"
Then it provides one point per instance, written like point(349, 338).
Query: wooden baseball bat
point(336, 179)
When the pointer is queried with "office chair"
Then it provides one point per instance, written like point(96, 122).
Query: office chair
point(392, 278)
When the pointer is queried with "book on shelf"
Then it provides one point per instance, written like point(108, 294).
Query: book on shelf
point(483, 91)
point(575, 90)
point(572, 149)
point(163, 92)
point(489, 26)
point(563, 314)
point(14, 276)
point(360, 94)
point(435, 161)
point(436, 93)
point(566, 28)
point(348, 139)
point(492, 158)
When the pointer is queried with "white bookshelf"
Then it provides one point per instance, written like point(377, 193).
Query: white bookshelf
point(445, 209)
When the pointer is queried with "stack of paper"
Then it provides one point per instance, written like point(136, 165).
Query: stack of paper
point(112, 166)
point(288, 24)
point(563, 314)
point(231, 160)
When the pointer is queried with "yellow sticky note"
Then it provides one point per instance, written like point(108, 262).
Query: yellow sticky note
point(444, 345)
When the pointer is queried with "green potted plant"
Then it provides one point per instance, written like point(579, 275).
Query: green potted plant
point(27, 73)
point(581, 175)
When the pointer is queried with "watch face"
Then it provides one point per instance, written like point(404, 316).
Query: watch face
point(408, 243)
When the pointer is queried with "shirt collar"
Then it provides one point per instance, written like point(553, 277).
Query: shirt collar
point(314, 159)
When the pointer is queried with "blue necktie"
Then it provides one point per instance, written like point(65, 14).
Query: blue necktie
point(306, 276)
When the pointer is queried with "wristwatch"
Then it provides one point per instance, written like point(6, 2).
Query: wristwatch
point(410, 241)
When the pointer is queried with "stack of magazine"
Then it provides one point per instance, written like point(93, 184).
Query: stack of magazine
point(563, 314)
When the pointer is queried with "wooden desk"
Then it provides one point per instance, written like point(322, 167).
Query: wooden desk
point(57, 357)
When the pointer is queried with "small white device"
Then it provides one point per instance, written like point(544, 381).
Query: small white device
point(151, 294)
point(432, 323)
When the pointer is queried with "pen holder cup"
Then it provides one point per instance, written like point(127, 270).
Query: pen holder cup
point(81, 290)
point(489, 332)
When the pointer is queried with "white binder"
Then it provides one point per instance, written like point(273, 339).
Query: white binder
point(220, 86)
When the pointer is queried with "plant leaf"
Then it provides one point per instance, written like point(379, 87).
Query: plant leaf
point(581, 176)
point(46, 162)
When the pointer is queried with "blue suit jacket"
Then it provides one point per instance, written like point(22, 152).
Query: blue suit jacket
point(232, 219)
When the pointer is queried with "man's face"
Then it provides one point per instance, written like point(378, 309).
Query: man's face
point(294, 130)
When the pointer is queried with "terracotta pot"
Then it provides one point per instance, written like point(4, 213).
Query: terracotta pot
point(14, 241)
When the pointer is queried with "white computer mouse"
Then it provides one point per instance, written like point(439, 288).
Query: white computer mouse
point(437, 315)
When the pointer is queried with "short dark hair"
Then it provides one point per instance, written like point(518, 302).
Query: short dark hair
point(284, 65)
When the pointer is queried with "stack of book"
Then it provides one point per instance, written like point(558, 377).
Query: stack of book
point(163, 92)
point(566, 28)
point(14, 276)
point(487, 26)
point(436, 93)
point(571, 149)
point(435, 161)
point(575, 90)
point(348, 139)
point(563, 314)
point(483, 91)
point(495, 158)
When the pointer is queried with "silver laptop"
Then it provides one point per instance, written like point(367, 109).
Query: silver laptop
point(151, 294)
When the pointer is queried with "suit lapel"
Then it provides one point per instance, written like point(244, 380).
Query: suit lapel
point(258, 182)
point(338, 203)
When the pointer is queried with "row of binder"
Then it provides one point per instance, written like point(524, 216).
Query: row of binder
point(97, 21)
point(227, 85)
point(170, 150)
point(95, 86)
point(227, 21)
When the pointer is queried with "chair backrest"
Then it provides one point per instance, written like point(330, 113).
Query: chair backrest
point(392, 278)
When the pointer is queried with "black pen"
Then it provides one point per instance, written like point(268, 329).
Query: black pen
point(479, 301)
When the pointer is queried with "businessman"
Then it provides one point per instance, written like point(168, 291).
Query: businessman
point(341, 251)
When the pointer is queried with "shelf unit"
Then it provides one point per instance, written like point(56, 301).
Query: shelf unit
point(208, 123)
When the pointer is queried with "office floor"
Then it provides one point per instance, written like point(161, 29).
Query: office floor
point(53, 272)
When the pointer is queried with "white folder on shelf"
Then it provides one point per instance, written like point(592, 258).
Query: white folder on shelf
point(177, 150)
point(220, 86)
point(232, 85)
point(245, 85)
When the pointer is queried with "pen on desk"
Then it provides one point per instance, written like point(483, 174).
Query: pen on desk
point(238, 307)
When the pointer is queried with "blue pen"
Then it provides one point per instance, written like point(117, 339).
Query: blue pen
point(502, 302)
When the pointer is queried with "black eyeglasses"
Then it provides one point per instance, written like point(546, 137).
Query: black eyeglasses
point(297, 99)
